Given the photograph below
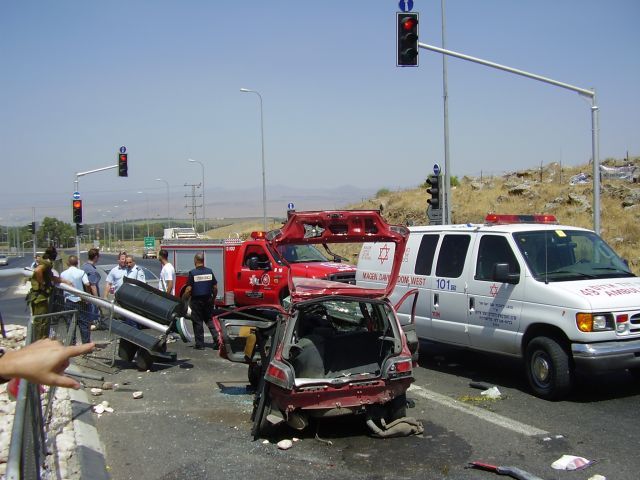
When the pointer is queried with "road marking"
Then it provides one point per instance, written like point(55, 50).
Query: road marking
point(499, 420)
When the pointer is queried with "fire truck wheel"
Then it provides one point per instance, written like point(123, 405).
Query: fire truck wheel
point(548, 368)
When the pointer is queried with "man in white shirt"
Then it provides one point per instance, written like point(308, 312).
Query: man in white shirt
point(167, 274)
point(79, 280)
point(134, 271)
point(115, 276)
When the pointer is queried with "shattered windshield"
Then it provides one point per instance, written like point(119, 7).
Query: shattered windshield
point(564, 255)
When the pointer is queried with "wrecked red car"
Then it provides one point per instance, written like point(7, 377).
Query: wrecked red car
point(333, 348)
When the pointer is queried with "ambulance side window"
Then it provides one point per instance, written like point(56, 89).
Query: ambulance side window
point(426, 252)
point(453, 253)
point(494, 249)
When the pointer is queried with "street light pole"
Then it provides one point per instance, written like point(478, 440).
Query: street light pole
point(204, 216)
point(264, 188)
point(168, 200)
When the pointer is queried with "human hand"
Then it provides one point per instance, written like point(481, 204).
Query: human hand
point(43, 362)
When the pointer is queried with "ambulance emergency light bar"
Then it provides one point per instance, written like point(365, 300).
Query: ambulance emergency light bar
point(500, 219)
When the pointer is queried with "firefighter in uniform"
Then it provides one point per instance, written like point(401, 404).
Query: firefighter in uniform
point(42, 288)
point(202, 288)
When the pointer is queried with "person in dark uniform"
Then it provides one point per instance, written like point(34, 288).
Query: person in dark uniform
point(202, 288)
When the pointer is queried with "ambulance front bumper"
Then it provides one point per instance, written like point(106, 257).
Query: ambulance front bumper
point(605, 356)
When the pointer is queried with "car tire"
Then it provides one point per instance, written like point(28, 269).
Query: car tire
point(396, 408)
point(635, 373)
point(548, 367)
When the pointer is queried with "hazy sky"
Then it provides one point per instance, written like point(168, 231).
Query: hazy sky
point(163, 78)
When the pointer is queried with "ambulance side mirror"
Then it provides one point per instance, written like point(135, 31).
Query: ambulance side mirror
point(501, 274)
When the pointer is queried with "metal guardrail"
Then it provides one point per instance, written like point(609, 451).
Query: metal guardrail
point(30, 439)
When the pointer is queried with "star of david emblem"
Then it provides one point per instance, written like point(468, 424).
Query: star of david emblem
point(493, 290)
point(384, 254)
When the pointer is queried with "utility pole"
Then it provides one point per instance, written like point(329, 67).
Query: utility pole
point(194, 206)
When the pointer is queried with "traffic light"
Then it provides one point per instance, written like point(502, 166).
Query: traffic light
point(122, 164)
point(407, 39)
point(32, 227)
point(434, 190)
point(78, 229)
point(77, 211)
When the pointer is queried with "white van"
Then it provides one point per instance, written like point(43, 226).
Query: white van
point(554, 295)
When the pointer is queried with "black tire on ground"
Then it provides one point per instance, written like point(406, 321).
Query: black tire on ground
point(126, 350)
point(396, 408)
point(144, 359)
point(548, 368)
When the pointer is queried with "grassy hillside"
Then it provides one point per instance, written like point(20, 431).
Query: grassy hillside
point(543, 190)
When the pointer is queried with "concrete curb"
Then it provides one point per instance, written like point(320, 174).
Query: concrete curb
point(90, 452)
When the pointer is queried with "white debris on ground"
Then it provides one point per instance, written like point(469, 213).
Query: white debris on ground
point(62, 462)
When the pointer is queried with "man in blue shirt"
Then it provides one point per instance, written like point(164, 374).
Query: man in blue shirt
point(79, 280)
point(115, 276)
point(90, 269)
point(202, 288)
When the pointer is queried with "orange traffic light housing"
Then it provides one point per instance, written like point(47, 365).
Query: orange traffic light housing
point(77, 211)
point(122, 165)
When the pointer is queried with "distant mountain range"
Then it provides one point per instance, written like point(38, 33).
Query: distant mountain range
point(220, 203)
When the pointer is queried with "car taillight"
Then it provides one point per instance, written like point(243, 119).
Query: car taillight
point(400, 367)
point(279, 374)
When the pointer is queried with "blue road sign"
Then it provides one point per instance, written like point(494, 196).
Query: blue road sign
point(405, 5)
point(436, 169)
point(123, 149)
point(290, 206)
point(76, 195)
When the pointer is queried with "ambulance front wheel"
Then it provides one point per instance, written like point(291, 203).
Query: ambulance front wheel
point(548, 368)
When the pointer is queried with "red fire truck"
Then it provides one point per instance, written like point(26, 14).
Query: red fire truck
point(254, 272)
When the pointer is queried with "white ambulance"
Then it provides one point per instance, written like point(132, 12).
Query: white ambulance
point(554, 295)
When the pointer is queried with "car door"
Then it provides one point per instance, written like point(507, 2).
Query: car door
point(254, 284)
point(494, 307)
point(245, 332)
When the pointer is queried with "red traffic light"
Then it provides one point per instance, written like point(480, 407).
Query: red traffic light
point(122, 165)
point(407, 39)
point(77, 211)
point(409, 24)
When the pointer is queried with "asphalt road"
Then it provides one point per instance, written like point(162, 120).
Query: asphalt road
point(193, 422)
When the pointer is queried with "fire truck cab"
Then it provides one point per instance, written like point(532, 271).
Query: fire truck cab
point(254, 272)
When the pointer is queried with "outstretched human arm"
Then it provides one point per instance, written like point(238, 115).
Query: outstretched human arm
point(42, 362)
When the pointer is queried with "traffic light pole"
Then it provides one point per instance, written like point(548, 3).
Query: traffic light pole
point(76, 188)
point(595, 145)
point(33, 223)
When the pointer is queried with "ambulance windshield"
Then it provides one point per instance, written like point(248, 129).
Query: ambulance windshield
point(565, 255)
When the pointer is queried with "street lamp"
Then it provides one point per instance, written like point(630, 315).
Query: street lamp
point(168, 202)
point(204, 216)
point(147, 199)
point(264, 188)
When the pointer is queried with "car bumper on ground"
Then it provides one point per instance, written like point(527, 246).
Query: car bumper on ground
point(606, 356)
